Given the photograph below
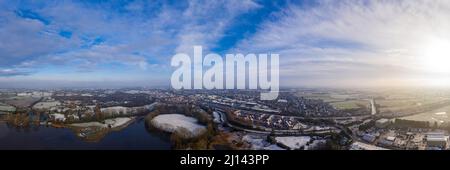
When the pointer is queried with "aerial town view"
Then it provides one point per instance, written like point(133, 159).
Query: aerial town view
point(303, 118)
point(225, 75)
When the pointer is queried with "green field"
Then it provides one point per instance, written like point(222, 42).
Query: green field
point(324, 97)
point(441, 115)
point(351, 104)
point(407, 105)
point(340, 101)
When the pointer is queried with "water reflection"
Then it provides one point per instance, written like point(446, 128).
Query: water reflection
point(134, 136)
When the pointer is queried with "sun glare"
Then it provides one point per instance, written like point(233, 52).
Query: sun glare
point(436, 56)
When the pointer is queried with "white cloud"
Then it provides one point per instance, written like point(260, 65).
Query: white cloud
point(347, 40)
point(206, 21)
point(12, 72)
point(23, 38)
point(133, 38)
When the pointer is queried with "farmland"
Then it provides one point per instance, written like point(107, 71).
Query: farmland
point(440, 116)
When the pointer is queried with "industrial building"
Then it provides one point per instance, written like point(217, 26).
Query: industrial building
point(437, 139)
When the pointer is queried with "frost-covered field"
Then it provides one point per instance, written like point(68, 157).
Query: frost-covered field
point(117, 122)
point(58, 117)
point(6, 108)
point(174, 122)
point(46, 105)
point(21, 102)
point(259, 143)
point(293, 142)
point(364, 146)
point(124, 111)
point(116, 110)
point(108, 123)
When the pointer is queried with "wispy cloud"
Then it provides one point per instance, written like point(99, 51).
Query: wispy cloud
point(206, 21)
point(12, 72)
point(344, 41)
point(86, 35)
point(319, 42)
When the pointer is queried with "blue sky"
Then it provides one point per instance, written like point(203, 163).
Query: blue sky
point(130, 43)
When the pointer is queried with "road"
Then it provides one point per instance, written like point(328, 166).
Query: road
point(373, 106)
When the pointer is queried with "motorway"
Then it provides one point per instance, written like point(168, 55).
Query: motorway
point(372, 105)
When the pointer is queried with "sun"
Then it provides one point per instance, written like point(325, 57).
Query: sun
point(435, 56)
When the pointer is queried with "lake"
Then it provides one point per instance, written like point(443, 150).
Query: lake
point(133, 137)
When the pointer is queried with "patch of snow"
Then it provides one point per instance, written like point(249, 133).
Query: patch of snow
point(441, 113)
point(46, 105)
point(86, 95)
point(299, 126)
point(6, 108)
point(58, 117)
point(293, 142)
point(273, 147)
point(282, 101)
point(218, 117)
point(315, 144)
point(132, 92)
point(174, 122)
point(89, 124)
point(108, 123)
point(364, 146)
point(73, 116)
point(117, 122)
point(258, 142)
point(319, 128)
point(116, 110)
point(151, 106)
point(255, 143)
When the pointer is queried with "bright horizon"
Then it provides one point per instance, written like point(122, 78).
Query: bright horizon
point(327, 43)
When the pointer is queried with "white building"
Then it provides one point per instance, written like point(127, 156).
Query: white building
point(436, 139)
